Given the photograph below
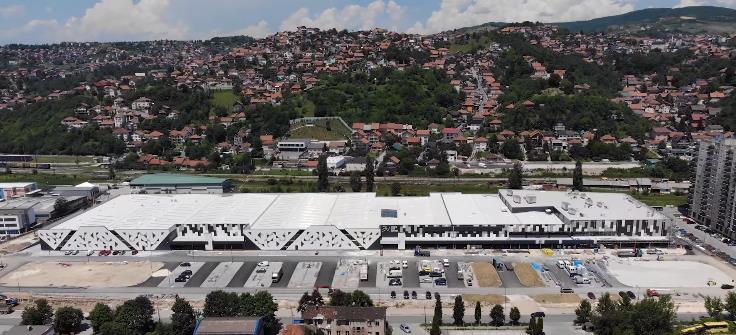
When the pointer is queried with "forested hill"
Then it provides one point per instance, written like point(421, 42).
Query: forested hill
point(665, 17)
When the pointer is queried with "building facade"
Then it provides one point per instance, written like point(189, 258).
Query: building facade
point(343, 320)
point(713, 196)
point(360, 221)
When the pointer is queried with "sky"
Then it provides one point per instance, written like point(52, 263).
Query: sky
point(49, 21)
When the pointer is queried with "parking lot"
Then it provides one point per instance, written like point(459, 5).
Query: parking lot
point(305, 275)
point(171, 279)
point(347, 274)
point(262, 276)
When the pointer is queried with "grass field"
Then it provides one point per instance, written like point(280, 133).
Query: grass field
point(225, 99)
point(63, 159)
point(384, 189)
point(661, 199)
point(471, 44)
point(318, 133)
point(44, 179)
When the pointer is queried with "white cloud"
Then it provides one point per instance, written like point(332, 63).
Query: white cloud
point(350, 17)
point(462, 13)
point(11, 10)
point(722, 3)
point(109, 20)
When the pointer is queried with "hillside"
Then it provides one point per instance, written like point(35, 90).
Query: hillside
point(691, 19)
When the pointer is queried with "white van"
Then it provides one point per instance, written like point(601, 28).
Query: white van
point(560, 264)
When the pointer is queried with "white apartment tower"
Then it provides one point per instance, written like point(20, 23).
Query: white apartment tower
point(713, 198)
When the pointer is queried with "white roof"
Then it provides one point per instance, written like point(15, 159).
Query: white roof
point(86, 184)
point(297, 211)
point(585, 205)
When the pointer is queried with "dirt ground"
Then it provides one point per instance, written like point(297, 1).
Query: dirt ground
point(486, 274)
point(17, 244)
point(485, 299)
point(527, 275)
point(557, 298)
point(80, 274)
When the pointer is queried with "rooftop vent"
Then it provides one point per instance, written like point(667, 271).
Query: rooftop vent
point(589, 202)
point(548, 211)
point(565, 205)
point(572, 211)
point(517, 199)
point(599, 204)
point(509, 192)
point(530, 199)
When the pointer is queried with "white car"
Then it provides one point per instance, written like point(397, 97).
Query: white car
point(446, 262)
point(263, 264)
point(406, 328)
point(404, 264)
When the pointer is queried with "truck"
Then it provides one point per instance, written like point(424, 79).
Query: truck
point(394, 274)
point(364, 271)
point(418, 252)
point(582, 280)
point(276, 276)
point(632, 253)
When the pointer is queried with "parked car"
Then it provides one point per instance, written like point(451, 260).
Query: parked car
point(413, 294)
point(393, 294)
point(405, 328)
point(394, 282)
point(591, 296)
point(537, 314)
point(622, 294)
point(440, 282)
point(727, 286)
point(406, 294)
point(631, 295)
point(566, 290)
point(428, 295)
point(185, 264)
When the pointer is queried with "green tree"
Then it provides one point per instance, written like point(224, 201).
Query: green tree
point(355, 182)
point(514, 315)
point(532, 328)
point(114, 328)
point(266, 307)
point(395, 188)
point(714, 306)
point(183, 318)
point(323, 183)
point(437, 311)
point(607, 319)
point(61, 207)
point(40, 313)
point(221, 304)
point(516, 176)
point(361, 299)
point(511, 149)
point(478, 312)
point(577, 177)
point(136, 315)
point(730, 304)
point(100, 315)
point(340, 298)
point(583, 312)
point(458, 311)
point(653, 316)
point(68, 320)
point(498, 317)
point(369, 174)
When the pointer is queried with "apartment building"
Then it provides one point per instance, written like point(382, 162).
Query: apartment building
point(343, 320)
point(713, 197)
